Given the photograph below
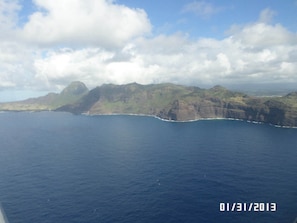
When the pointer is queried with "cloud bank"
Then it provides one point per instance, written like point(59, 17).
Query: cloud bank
point(84, 22)
point(100, 41)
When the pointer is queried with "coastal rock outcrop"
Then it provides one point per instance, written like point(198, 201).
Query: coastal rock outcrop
point(167, 101)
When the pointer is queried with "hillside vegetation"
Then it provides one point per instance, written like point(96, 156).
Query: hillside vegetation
point(167, 101)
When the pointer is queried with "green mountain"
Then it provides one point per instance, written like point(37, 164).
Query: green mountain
point(168, 101)
point(51, 101)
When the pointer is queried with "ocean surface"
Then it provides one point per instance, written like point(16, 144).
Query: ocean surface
point(60, 168)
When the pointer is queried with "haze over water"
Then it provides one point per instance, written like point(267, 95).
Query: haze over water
point(58, 167)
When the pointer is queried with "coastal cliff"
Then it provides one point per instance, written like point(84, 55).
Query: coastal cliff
point(166, 101)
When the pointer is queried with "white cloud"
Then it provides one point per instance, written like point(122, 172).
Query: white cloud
point(85, 22)
point(60, 67)
point(177, 59)
point(261, 35)
point(57, 24)
point(201, 8)
point(15, 65)
point(267, 15)
point(8, 17)
point(258, 52)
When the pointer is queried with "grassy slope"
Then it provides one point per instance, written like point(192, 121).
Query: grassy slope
point(135, 98)
point(165, 99)
point(51, 101)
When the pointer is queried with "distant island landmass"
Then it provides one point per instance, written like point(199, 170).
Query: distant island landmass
point(166, 101)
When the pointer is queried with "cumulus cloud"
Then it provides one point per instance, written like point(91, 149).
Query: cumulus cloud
point(262, 35)
point(16, 65)
point(8, 17)
point(175, 58)
point(25, 46)
point(88, 22)
point(59, 67)
point(259, 52)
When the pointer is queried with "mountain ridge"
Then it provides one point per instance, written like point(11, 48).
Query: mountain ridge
point(166, 101)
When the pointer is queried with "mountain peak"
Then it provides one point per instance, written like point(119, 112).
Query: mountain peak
point(218, 88)
point(166, 101)
point(75, 88)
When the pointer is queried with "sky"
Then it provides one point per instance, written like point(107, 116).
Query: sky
point(46, 44)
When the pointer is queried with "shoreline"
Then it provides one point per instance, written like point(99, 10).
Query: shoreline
point(192, 120)
point(157, 117)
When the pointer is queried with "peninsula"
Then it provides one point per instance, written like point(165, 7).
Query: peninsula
point(166, 101)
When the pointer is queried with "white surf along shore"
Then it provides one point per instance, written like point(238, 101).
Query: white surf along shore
point(192, 120)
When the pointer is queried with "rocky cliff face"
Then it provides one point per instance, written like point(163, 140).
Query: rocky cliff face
point(167, 101)
point(271, 111)
point(181, 103)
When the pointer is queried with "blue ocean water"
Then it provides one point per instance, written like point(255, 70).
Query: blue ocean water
point(60, 168)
